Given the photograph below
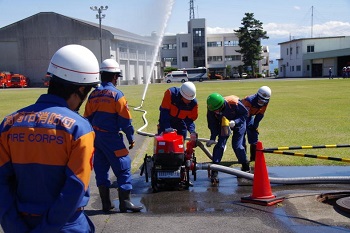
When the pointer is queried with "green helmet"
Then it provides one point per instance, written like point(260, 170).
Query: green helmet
point(215, 101)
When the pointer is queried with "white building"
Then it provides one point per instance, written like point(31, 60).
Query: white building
point(28, 45)
point(312, 57)
point(199, 49)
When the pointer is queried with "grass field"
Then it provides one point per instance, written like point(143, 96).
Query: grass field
point(301, 112)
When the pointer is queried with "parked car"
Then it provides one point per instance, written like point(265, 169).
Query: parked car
point(244, 75)
point(236, 75)
point(176, 76)
point(213, 76)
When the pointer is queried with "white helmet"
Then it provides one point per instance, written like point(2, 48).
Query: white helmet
point(188, 90)
point(75, 64)
point(264, 92)
point(110, 65)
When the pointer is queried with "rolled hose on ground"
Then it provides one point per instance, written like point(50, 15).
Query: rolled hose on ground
point(294, 180)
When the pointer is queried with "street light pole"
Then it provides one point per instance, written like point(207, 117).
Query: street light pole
point(99, 16)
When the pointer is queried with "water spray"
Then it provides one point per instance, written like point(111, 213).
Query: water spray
point(160, 39)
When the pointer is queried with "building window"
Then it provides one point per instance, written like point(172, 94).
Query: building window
point(308, 67)
point(214, 58)
point(298, 68)
point(214, 44)
point(184, 44)
point(233, 58)
point(169, 46)
point(198, 32)
point(172, 60)
point(287, 51)
point(123, 50)
point(198, 40)
point(310, 48)
point(231, 43)
point(297, 50)
point(291, 51)
point(184, 58)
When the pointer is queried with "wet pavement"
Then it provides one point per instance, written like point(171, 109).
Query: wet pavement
point(204, 208)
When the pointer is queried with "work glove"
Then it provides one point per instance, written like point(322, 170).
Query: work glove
point(232, 124)
point(131, 145)
point(169, 130)
point(193, 136)
point(209, 143)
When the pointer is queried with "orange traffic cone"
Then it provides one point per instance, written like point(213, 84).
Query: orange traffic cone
point(262, 194)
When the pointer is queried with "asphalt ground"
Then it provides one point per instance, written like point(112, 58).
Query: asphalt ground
point(204, 208)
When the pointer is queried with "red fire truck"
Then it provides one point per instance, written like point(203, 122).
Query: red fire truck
point(18, 80)
point(5, 79)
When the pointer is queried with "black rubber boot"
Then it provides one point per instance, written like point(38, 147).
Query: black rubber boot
point(124, 202)
point(105, 198)
point(245, 167)
point(214, 177)
point(252, 152)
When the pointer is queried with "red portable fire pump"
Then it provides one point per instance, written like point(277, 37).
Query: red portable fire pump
point(170, 165)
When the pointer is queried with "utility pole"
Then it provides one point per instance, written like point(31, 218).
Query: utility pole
point(99, 16)
point(312, 20)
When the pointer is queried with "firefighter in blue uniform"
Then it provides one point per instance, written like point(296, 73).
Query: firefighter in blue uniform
point(231, 109)
point(108, 112)
point(179, 110)
point(256, 105)
point(46, 152)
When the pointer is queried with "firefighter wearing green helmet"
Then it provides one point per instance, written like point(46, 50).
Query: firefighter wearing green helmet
point(230, 109)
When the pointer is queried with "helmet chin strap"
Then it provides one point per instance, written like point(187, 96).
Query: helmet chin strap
point(82, 98)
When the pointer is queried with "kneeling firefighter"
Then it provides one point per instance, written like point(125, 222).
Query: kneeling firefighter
point(108, 112)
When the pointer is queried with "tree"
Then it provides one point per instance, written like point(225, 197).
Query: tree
point(249, 39)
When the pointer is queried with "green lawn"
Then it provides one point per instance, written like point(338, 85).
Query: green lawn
point(301, 112)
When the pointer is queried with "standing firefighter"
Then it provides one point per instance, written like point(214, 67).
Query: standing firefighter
point(46, 152)
point(179, 110)
point(256, 105)
point(223, 112)
point(108, 112)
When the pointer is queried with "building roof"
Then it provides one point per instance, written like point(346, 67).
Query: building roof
point(311, 38)
point(118, 34)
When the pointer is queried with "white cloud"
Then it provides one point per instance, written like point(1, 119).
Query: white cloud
point(297, 7)
point(331, 28)
point(219, 30)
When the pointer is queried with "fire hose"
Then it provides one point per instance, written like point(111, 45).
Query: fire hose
point(238, 173)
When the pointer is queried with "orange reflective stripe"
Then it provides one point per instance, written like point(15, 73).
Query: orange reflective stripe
point(121, 152)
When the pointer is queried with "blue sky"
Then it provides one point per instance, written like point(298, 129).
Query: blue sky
point(282, 19)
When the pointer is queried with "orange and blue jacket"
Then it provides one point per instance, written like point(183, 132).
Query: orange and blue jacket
point(173, 111)
point(254, 109)
point(46, 154)
point(107, 110)
point(233, 109)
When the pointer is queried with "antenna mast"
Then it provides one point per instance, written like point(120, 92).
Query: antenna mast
point(191, 10)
